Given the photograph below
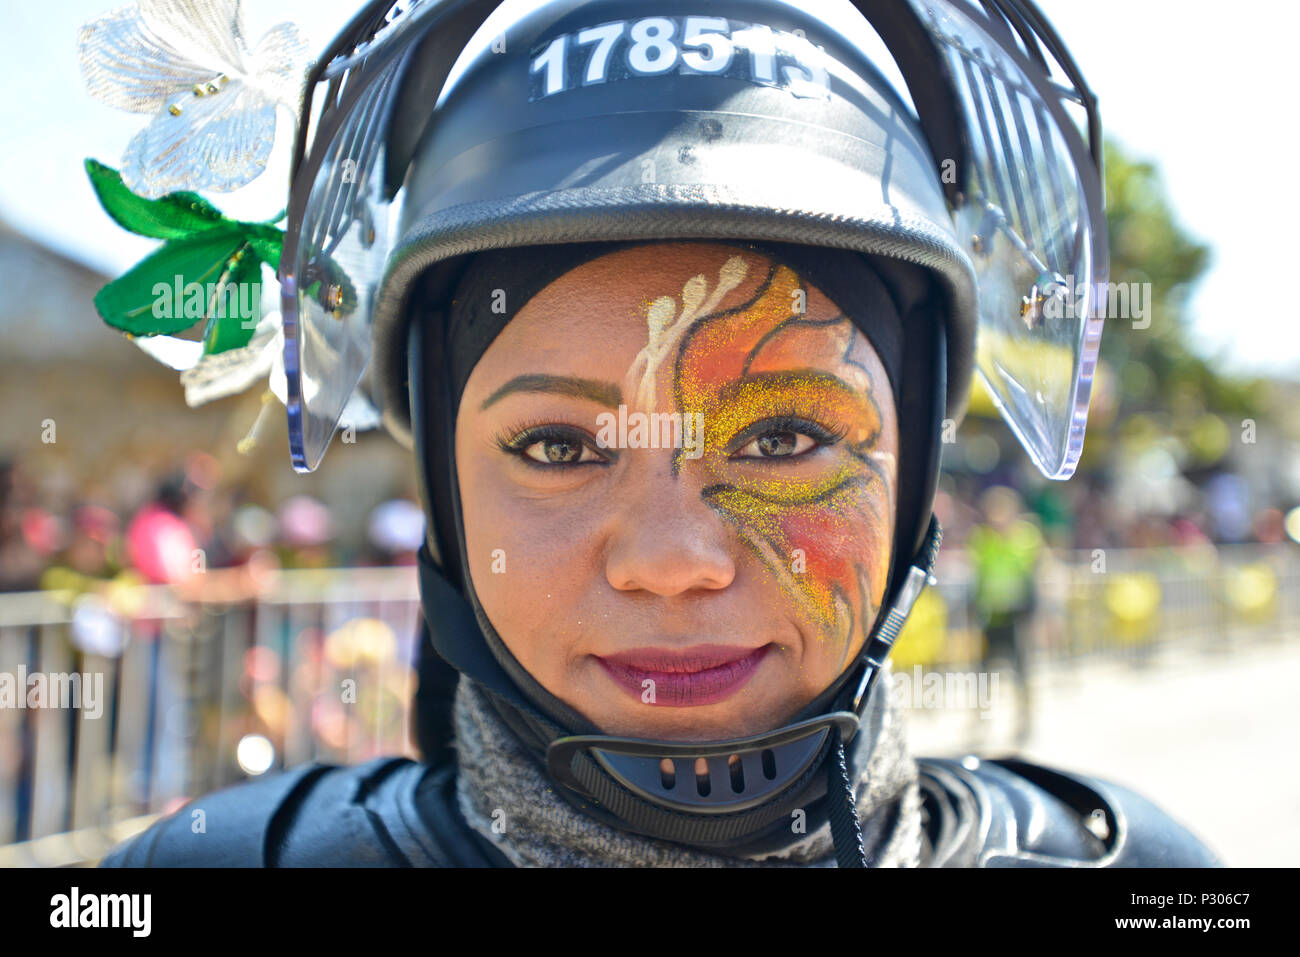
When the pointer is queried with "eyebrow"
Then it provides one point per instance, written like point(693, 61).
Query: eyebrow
point(606, 393)
point(790, 378)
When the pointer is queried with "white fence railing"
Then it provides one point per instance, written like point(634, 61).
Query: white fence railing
point(178, 698)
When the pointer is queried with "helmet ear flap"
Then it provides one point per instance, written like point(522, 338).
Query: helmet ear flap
point(920, 434)
point(430, 418)
point(425, 398)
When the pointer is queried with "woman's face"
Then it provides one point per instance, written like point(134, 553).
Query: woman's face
point(677, 469)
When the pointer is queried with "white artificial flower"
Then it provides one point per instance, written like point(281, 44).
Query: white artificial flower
point(214, 99)
point(206, 378)
point(225, 373)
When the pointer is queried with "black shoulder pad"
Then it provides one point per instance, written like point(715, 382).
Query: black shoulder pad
point(227, 828)
point(313, 816)
point(1010, 813)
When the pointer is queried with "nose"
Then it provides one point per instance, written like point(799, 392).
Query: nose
point(667, 541)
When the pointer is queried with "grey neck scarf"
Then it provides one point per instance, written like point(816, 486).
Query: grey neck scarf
point(506, 796)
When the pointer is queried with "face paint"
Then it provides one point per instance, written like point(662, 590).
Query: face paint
point(823, 526)
point(665, 331)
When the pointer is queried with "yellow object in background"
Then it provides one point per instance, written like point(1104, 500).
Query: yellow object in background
point(361, 641)
point(924, 636)
point(1251, 592)
point(1133, 601)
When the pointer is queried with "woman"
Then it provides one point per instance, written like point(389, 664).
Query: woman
point(678, 311)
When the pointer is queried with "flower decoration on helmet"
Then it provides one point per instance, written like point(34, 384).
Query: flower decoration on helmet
point(213, 97)
point(216, 101)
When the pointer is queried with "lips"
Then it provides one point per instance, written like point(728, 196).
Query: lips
point(686, 677)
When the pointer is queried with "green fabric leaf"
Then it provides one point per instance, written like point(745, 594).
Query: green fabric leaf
point(173, 216)
point(223, 256)
point(238, 304)
point(145, 302)
point(266, 242)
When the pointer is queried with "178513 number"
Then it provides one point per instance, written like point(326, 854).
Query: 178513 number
point(662, 46)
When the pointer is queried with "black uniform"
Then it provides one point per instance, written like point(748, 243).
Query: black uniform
point(394, 812)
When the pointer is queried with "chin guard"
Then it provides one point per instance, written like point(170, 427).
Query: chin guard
point(741, 773)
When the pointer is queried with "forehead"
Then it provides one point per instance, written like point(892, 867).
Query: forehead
point(599, 316)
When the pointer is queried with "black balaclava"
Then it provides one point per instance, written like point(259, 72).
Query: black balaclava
point(898, 307)
point(872, 291)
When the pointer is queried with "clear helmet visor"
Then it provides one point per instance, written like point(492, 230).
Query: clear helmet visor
point(338, 263)
point(1034, 223)
point(336, 251)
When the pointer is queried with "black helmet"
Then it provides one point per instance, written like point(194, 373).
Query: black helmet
point(434, 131)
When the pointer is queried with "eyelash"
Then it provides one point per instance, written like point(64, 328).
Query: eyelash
point(790, 420)
point(516, 442)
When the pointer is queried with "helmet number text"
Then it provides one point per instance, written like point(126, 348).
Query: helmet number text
point(684, 46)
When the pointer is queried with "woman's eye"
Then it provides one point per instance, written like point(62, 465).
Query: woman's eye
point(560, 452)
point(779, 443)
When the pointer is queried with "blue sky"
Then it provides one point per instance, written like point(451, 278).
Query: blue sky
point(1207, 99)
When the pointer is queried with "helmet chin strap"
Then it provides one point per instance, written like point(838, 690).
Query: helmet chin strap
point(742, 788)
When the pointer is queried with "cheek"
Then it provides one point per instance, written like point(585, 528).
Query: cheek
point(846, 546)
point(529, 561)
point(851, 527)
point(495, 546)
point(829, 553)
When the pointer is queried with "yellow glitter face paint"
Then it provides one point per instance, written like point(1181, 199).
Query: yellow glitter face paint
point(821, 521)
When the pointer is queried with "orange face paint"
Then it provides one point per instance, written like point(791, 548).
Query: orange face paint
point(821, 522)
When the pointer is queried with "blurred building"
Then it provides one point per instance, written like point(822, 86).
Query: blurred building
point(91, 417)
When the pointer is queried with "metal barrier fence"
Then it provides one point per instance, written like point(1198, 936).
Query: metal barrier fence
point(115, 710)
point(117, 718)
point(1118, 603)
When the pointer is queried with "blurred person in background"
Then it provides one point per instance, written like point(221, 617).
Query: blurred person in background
point(1227, 500)
point(21, 561)
point(160, 544)
point(165, 549)
point(304, 533)
point(93, 553)
point(395, 532)
point(1004, 553)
